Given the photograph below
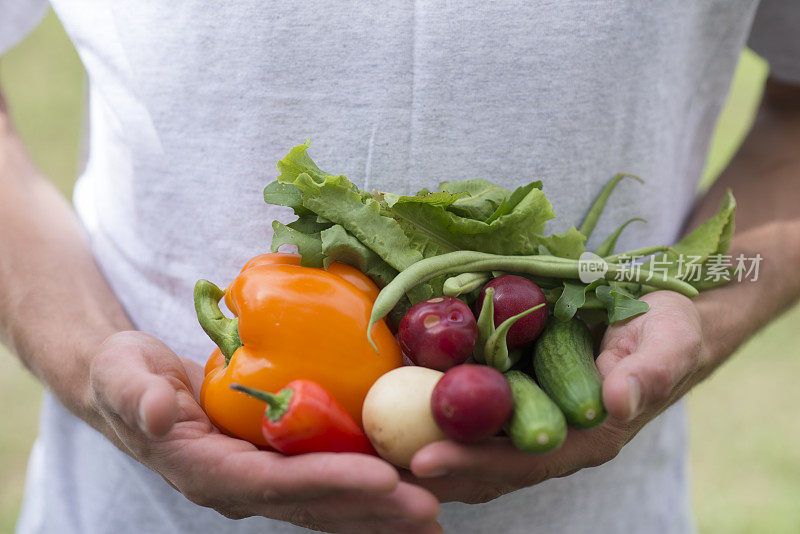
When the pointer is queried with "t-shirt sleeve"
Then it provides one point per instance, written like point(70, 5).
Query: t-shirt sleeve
point(17, 19)
point(776, 37)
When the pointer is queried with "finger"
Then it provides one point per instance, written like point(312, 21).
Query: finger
point(407, 503)
point(498, 461)
point(396, 527)
point(316, 491)
point(123, 383)
point(194, 372)
point(158, 408)
point(495, 460)
point(390, 527)
point(227, 471)
point(645, 379)
point(460, 489)
point(342, 512)
point(313, 475)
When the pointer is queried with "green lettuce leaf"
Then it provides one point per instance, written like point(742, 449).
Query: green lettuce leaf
point(338, 200)
point(511, 203)
point(340, 245)
point(309, 224)
point(571, 244)
point(435, 230)
point(298, 162)
point(439, 198)
point(308, 245)
point(478, 199)
point(286, 195)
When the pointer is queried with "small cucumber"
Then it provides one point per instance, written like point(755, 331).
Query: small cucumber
point(536, 425)
point(563, 363)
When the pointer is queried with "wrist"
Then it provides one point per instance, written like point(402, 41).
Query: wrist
point(78, 397)
point(732, 313)
point(61, 359)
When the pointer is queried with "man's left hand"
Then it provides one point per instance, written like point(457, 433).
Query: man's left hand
point(647, 363)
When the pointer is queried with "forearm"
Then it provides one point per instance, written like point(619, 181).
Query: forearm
point(765, 178)
point(55, 305)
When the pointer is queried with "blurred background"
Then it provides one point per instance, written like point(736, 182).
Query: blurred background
point(745, 437)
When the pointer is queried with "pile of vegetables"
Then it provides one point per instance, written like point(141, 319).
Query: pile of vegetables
point(489, 312)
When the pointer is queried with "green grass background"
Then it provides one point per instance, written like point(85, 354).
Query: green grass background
point(745, 436)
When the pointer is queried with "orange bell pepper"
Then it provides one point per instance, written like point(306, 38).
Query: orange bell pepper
point(292, 322)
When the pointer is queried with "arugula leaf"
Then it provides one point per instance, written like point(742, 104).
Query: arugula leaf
point(479, 199)
point(572, 298)
point(308, 245)
point(620, 304)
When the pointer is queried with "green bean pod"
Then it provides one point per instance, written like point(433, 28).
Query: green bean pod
point(467, 261)
point(464, 283)
point(639, 253)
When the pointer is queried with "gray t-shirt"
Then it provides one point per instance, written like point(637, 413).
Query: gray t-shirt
point(192, 103)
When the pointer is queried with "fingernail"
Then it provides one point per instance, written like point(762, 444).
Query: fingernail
point(433, 474)
point(142, 415)
point(142, 418)
point(634, 397)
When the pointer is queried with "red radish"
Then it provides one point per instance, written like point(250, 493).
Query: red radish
point(438, 333)
point(471, 403)
point(512, 295)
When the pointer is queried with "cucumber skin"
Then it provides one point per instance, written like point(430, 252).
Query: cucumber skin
point(563, 362)
point(534, 416)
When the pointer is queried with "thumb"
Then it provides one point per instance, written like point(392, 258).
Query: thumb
point(643, 373)
point(131, 378)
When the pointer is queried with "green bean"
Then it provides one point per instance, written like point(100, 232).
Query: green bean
point(467, 261)
point(464, 283)
point(590, 221)
point(606, 248)
point(640, 253)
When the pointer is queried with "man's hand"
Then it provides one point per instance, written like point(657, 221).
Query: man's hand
point(647, 363)
point(147, 397)
point(651, 360)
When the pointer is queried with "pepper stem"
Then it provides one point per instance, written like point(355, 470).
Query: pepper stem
point(277, 403)
point(222, 331)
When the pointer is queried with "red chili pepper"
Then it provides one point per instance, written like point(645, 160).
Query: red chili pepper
point(303, 417)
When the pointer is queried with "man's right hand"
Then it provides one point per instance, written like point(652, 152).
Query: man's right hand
point(147, 399)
